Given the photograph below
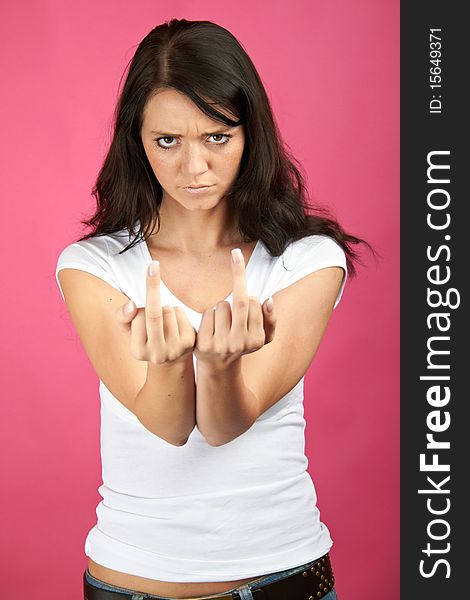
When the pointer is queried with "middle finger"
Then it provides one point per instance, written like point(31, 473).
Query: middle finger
point(241, 301)
point(153, 307)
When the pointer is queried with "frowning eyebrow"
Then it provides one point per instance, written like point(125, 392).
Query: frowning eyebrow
point(167, 133)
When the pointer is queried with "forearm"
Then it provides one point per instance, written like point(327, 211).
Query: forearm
point(165, 405)
point(225, 407)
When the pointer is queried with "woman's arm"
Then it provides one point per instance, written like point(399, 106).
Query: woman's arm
point(128, 355)
point(166, 404)
point(229, 399)
point(225, 407)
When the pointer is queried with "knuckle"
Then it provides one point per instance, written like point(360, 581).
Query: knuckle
point(172, 355)
point(218, 348)
point(251, 342)
point(157, 358)
point(236, 347)
point(241, 303)
point(154, 317)
point(187, 341)
point(259, 340)
point(204, 346)
point(155, 354)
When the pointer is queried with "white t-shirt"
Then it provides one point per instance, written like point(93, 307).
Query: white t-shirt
point(197, 512)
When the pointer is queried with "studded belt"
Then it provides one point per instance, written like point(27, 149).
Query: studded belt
point(310, 584)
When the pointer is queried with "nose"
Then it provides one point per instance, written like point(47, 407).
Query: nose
point(194, 161)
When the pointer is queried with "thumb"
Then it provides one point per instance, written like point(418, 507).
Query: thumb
point(269, 319)
point(124, 315)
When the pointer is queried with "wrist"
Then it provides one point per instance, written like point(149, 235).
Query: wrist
point(217, 367)
point(180, 364)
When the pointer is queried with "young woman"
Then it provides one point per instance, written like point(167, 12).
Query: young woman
point(201, 297)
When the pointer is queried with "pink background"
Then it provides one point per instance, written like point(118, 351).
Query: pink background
point(331, 70)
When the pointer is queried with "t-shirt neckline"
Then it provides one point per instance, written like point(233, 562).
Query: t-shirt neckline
point(248, 269)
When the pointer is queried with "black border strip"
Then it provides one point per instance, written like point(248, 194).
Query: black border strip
point(433, 249)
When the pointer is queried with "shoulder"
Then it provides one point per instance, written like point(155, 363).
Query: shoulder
point(94, 247)
point(318, 250)
point(95, 255)
point(315, 247)
point(302, 257)
point(102, 248)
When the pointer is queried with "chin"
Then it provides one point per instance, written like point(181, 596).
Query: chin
point(201, 206)
point(199, 203)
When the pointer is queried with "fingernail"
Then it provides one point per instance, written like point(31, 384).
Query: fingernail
point(270, 303)
point(153, 269)
point(128, 308)
point(237, 255)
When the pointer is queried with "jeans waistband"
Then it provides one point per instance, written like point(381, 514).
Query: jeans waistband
point(242, 589)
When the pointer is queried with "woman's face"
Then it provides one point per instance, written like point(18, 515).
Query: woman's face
point(185, 147)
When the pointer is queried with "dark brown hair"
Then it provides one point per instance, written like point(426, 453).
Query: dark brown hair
point(205, 62)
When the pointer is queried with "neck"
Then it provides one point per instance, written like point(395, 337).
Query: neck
point(196, 231)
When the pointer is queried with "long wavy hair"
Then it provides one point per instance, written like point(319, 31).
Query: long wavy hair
point(205, 62)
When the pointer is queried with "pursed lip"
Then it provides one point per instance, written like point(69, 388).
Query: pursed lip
point(196, 187)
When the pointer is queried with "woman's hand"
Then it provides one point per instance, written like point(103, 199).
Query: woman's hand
point(159, 335)
point(225, 332)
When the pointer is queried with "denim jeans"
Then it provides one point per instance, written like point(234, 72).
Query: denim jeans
point(243, 590)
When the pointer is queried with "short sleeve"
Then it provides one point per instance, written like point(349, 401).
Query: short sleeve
point(89, 255)
point(306, 256)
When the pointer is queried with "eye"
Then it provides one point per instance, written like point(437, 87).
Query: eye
point(167, 145)
point(221, 135)
point(166, 137)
